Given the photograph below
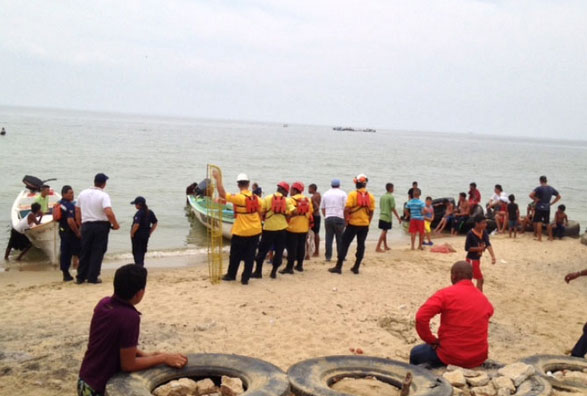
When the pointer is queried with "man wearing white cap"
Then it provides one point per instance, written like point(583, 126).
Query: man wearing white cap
point(332, 205)
point(246, 228)
point(358, 213)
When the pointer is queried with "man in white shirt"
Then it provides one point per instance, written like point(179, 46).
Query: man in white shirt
point(498, 197)
point(332, 206)
point(93, 210)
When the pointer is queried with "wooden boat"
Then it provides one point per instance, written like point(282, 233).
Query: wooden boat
point(44, 236)
point(198, 205)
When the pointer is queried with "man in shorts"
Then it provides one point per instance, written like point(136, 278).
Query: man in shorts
point(476, 243)
point(542, 196)
point(386, 208)
point(416, 207)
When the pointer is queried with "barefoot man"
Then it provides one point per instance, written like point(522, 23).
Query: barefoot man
point(386, 208)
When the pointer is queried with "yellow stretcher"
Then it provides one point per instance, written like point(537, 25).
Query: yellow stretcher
point(214, 215)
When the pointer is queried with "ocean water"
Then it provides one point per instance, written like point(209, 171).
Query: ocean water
point(158, 157)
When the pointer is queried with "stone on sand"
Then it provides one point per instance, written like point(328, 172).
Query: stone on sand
point(455, 378)
point(518, 372)
point(231, 386)
point(504, 383)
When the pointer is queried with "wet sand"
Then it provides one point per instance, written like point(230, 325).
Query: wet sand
point(44, 322)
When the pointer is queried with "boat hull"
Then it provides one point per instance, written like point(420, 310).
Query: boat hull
point(44, 236)
point(198, 208)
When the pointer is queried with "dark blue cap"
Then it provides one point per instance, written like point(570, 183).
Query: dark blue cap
point(100, 178)
point(139, 200)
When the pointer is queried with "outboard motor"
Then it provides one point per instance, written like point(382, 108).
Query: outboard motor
point(32, 183)
point(203, 188)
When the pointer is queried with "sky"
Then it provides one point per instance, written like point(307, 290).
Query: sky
point(515, 68)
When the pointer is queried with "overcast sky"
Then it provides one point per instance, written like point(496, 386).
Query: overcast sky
point(515, 67)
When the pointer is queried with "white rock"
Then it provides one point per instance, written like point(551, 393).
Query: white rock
point(460, 391)
point(503, 392)
point(517, 372)
point(455, 378)
point(206, 387)
point(231, 386)
point(487, 390)
point(189, 384)
point(504, 383)
point(176, 388)
point(466, 372)
point(479, 380)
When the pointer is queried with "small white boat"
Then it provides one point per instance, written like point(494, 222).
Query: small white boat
point(44, 236)
point(198, 207)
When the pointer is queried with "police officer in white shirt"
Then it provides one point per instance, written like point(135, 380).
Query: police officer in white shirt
point(332, 205)
point(93, 210)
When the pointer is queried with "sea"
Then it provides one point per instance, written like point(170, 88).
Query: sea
point(158, 157)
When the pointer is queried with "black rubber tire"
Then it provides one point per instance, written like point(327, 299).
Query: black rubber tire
point(573, 230)
point(259, 378)
point(312, 377)
point(545, 363)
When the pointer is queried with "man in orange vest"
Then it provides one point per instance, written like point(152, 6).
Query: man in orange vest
point(246, 228)
point(358, 213)
point(298, 228)
point(276, 211)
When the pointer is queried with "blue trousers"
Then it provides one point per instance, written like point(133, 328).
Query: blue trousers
point(425, 354)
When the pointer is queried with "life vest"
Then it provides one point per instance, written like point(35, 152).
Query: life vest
point(363, 201)
point(57, 211)
point(278, 204)
point(303, 206)
point(251, 205)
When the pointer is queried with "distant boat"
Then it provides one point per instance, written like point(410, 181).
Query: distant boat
point(349, 129)
point(285, 125)
point(45, 235)
point(3, 132)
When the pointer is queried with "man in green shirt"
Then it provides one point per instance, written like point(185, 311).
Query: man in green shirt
point(43, 198)
point(387, 206)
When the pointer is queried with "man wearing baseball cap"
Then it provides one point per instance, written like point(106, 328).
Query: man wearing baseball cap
point(276, 210)
point(246, 228)
point(144, 223)
point(298, 228)
point(93, 210)
point(358, 213)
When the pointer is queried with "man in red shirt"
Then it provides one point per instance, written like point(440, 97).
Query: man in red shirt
point(474, 195)
point(464, 320)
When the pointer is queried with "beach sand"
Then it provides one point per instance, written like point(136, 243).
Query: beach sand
point(44, 323)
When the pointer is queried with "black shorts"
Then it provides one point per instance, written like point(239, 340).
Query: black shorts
point(542, 216)
point(316, 227)
point(18, 241)
point(384, 225)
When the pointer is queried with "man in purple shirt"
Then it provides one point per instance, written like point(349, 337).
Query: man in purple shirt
point(114, 335)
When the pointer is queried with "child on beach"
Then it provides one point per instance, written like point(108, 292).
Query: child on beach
point(513, 215)
point(461, 215)
point(448, 217)
point(560, 222)
point(476, 243)
point(415, 207)
point(18, 239)
point(114, 335)
point(428, 219)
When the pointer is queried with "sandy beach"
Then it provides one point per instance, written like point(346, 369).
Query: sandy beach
point(44, 322)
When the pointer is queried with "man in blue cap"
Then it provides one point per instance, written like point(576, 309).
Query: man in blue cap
point(332, 206)
point(93, 210)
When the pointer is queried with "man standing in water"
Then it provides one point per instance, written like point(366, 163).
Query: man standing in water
point(386, 208)
point(246, 228)
point(358, 213)
point(93, 211)
point(542, 196)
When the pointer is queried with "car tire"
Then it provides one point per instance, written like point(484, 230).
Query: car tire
point(545, 363)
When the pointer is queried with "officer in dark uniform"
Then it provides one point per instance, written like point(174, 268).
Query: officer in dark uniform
point(143, 225)
point(69, 233)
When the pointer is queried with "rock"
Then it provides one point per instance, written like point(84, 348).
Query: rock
point(504, 383)
point(231, 386)
point(206, 387)
point(181, 387)
point(479, 380)
point(460, 391)
point(575, 376)
point(517, 372)
point(466, 372)
point(487, 390)
point(455, 378)
point(524, 389)
point(503, 392)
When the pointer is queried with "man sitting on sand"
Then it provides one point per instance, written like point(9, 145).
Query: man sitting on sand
point(114, 335)
point(464, 322)
point(580, 348)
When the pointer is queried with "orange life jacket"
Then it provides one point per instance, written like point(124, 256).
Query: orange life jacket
point(57, 211)
point(251, 205)
point(278, 204)
point(303, 206)
point(363, 199)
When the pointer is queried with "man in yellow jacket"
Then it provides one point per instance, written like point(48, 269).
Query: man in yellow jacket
point(246, 228)
point(276, 210)
point(298, 228)
point(358, 213)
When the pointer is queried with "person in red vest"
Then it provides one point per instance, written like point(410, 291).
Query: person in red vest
point(464, 321)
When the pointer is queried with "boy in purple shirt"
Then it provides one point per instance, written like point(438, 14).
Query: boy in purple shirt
point(114, 335)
